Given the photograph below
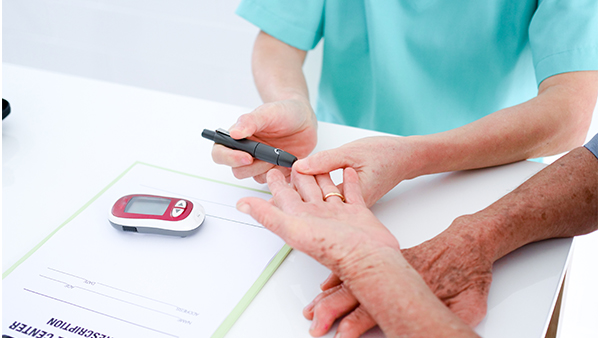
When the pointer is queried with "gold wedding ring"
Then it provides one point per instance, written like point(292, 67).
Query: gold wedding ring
point(334, 194)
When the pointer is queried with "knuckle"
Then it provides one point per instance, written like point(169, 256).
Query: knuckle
point(326, 293)
point(262, 178)
point(324, 311)
point(337, 303)
point(358, 321)
point(238, 173)
point(217, 154)
point(246, 118)
point(225, 156)
point(325, 156)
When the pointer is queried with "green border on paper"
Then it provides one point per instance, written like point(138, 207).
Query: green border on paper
point(241, 305)
point(252, 292)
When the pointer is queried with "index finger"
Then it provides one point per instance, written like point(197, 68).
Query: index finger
point(229, 157)
point(284, 196)
point(323, 162)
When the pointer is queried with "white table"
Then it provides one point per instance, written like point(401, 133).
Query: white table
point(68, 137)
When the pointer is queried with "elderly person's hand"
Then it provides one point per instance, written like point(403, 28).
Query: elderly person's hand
point(559, 201)
point(349, 240)
point(456, 267)
point(329, 228)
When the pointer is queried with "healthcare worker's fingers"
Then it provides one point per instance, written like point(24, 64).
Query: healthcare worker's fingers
point(248, 124)
point(323, 162)
point(230, 157)
point(252, 170)
point(268, 118)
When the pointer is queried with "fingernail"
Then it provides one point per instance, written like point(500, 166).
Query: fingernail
point(323, 284)
point(237, 126)
point(246, 160)
point(243, 207)
point(309, 307)
point(338, 335)
point(314, 324)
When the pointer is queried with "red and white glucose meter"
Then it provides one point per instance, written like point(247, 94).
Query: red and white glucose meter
point(156, 214)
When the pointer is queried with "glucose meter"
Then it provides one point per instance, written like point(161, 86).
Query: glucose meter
point(156, 214)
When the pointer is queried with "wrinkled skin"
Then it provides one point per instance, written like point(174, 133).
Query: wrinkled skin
point(454, 265)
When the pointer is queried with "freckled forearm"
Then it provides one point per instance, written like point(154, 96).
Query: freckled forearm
point(559, 201)
point(398, 299)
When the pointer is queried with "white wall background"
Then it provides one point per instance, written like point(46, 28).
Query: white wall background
point(193, 48)
point(197, 48)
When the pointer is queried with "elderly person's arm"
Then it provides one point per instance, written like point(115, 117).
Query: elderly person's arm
point(559, 201)
point(348, 239)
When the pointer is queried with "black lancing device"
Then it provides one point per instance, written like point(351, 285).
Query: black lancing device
point(258, 150)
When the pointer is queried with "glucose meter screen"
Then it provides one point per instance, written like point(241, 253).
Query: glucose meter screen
point(147, 205)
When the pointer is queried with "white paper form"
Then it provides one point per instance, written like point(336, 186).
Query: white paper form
point(92, 280)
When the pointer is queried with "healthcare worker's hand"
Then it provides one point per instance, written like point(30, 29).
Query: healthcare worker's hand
point(455, 265)
point(375, 159)
point(348, 239)
point(290, 125)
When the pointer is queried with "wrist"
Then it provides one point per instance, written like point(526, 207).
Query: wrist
point(368, 260)
point(396, 297)
point(429, 154)
point(291, 94)
point(409, 151)
point(493, 230)
point(478, 234)
point(371, 273)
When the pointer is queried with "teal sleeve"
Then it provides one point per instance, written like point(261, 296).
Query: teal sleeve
point(297, 23)
point(564, 37)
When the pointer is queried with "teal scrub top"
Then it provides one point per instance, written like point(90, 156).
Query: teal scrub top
point(415, 67)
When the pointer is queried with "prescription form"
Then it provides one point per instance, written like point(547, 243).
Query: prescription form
point(88, 279)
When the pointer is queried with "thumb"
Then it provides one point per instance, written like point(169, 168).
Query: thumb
point(322, 162)
point(470, 305)
point(262, 118)
point(246, 126)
